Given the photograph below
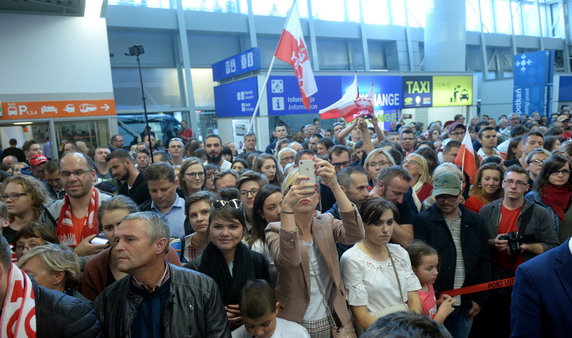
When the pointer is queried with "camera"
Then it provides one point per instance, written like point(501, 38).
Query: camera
point(136, 50)
point(515, 240)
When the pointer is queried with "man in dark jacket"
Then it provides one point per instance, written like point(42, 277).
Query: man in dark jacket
point(57, 314)
point(512, 214)
point(157, 299)
point(460, 238)
point(133, 183)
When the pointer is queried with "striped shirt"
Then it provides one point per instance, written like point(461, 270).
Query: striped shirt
point(455, 228)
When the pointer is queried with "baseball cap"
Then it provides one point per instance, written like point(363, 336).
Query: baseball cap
point(456, 125)
point(563, 118)
point(447, 184)
point(38, 159)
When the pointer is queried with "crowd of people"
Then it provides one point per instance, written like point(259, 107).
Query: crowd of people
point(201, 239)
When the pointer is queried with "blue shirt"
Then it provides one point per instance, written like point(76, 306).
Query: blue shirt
point(175, 217)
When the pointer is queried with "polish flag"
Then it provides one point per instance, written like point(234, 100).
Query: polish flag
point(292, 49)
point(466, 157)
point(351, 105)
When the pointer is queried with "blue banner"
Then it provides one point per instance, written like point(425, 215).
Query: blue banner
point(241, 63)
point(237, 98)
point(533, 73)
point(417, 91)
point(387, 90)
point(565, 88)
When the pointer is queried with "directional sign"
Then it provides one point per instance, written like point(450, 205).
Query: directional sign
point(533, 73)
point(241, 63)
point(236, 98)
point(417, 91)
point(452, 91)
point(54, 109)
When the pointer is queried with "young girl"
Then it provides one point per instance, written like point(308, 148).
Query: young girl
point(425, 264)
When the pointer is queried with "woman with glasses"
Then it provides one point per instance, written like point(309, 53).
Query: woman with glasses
point(534, 162)
point(487, 187)
point(377, 275)
point(248, 185)
point(376, 160)
point(101, 270)
point(53, 266)
point(303, 246)
point(25, 197)
point(416, 165)
point(31, 236)
point(268, 165)
point(553, 190)
point(192, 177)
point(211, 170)
point(226, 259)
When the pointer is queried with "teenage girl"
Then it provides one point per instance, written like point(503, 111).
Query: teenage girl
point(425, 264)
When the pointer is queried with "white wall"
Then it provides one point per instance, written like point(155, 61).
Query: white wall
point(496, 97)
point(53, 58)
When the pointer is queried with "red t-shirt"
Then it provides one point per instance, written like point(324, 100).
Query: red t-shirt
point(508, 223)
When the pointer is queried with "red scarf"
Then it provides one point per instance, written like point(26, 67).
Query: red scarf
point(65, 230)
point(557, 198)
point(19, 310)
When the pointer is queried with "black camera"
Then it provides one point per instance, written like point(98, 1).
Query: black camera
point(136, 50)
point(515, 240)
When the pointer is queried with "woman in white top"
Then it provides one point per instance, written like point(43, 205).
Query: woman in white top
point(377, 275)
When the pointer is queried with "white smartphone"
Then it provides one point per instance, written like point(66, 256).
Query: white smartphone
point(307, 169)
point(99, 239)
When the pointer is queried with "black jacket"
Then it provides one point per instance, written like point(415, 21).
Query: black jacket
point(193, 308)
point(59, 315)
point(431, 227)
point(139, 192)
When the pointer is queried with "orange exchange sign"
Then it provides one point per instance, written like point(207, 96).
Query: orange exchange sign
point(55, 109)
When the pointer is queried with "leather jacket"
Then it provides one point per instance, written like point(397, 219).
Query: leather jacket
point(193, 308)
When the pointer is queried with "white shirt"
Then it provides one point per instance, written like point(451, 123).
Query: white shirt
point(284, 329)
point(372, 283)
point(316, 308)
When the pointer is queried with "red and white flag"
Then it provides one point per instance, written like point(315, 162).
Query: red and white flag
point(466, 158)
point(292, 49)
point(350, 106)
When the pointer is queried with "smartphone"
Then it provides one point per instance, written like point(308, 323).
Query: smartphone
point(307, 169)
point(99, 239)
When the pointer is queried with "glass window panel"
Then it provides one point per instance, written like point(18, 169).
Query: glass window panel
point(352, 10)
point(530, 16)
point(375, 12)
point(143, 3)
point(161, 88)
point(487, 16)
point(397, 9)
point(329, 10)
point(203, 87)
point(516, 21)
point(557, 16)
point(417, 12)
point(472, 13)
point(278, 8)
point(227, 6)
point(502, 16)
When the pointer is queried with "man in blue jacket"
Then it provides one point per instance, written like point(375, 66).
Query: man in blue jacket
point(460, 237)
point(542, 295)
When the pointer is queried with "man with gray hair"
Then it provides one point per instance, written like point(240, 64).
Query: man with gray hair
point(157, 299)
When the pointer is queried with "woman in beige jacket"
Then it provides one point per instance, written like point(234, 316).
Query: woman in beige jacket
point(303, 245)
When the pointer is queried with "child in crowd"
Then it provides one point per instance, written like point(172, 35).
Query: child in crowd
point(425, 264)
point(259, 310)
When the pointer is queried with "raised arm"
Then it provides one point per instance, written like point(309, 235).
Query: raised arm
point(342, 135)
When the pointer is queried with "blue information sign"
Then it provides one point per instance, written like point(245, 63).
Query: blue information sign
point(237, 98)
point(241, 63)
point(417, 91)
point(565, 88)
point(533, 74)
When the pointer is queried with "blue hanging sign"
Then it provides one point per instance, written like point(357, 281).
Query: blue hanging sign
point(241, 63)
point(533, 73)
point(236, 98)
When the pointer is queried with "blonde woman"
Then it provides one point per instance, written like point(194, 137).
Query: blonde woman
point(376, 160)
point(309, 286)
point(416, 165)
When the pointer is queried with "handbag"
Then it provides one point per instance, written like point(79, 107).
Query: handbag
point(346, 331)
point(402, 306)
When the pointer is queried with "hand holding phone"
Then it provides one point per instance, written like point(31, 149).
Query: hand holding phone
point(307, 169)
point(99, 239)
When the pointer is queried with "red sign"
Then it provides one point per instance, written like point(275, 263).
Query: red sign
point(55, 109)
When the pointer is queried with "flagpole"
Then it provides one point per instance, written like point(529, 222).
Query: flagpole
point(260, 95)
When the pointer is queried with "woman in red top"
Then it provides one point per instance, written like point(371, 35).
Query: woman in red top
point(487, 187)
point(416, 165)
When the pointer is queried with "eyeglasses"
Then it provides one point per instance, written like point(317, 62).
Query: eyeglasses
point(22, 247)
point(288, 158)
point(448, 198)
point(561, 171)
point(77, 173)
point(518, 183)
point(246, 192)
point(410, 162)
point(537, 162)
point(378, 164)
point(459, 133)
point(13, 197)
point(219, 204)
point(195, 175)
point(341, 164)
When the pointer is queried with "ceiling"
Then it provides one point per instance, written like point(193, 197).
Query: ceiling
point(44, 7)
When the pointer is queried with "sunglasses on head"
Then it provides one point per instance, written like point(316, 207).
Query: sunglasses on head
point(219, 204)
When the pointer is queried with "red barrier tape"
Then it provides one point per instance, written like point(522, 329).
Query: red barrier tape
point(496, 284)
